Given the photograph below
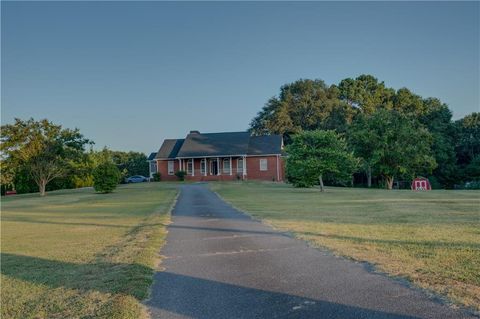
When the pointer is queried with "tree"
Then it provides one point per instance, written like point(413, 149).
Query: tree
point(468, 145)
point(106, 177)
point(45, 149)
point(314, 155)
point(301, 105)
point(393, 144)
point(437, 118)
point(366, 93)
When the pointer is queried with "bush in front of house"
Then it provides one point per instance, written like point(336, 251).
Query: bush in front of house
point(105, 177)
point(181, 175)
point(157, 177)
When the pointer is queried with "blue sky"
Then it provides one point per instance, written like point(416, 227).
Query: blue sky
point(130, 74)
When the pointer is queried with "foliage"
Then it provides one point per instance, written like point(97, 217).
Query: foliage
point(132, 163)
point(181, 175)
point(106, 177)
point(437, 118)
point(302, 105)
point(47, 150)
point(157, 177)
point(366, 93)
point(468, 142)
point(394, 144)
point(472, 171)
point(314, 155)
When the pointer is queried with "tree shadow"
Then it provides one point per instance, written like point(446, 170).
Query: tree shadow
point(39, 221)
point(207, 299)
point(230, 230)
point(113, 278)
point(433, 244)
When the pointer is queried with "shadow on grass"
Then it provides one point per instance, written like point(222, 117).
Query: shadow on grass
point(202, 298)
point(39, 221)
point(432, 244)
point(129, 279)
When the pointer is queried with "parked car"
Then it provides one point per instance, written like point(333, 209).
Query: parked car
point(136, 179)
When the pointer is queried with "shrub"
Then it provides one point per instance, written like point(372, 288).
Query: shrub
point(181, 175)
point(105, 177)
point(157, 177)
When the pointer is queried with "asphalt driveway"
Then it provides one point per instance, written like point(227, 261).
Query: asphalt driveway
point(219, 263)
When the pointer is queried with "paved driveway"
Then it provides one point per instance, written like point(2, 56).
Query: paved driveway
point(219, 263)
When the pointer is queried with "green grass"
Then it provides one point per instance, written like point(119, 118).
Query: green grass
point(77, 254)
point(431, 238)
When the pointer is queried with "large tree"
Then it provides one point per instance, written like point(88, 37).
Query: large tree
point(301, 105)
point(437, 118)
point(316, 155)
point(393, 144)
point(366, 93)
point(46, 150)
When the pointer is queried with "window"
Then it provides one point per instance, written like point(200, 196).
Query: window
point(189, 166)
point(203, 166)
point(240, 165)
point(263, 164)
point(153, 167)
point(171, 165)
point(226, 165)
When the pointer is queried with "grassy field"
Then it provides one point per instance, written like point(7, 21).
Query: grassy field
point(77, 254)
point(431, 238)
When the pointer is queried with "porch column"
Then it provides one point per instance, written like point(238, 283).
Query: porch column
point(193, 167)
point(206, 167)
point(231, 168)
point(179, 164)
point(218, 165)
point(244, 164)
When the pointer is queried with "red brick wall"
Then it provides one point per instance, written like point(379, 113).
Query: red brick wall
point(162, 168)
point(253, 170)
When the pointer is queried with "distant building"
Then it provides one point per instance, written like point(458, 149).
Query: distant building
point(222, 156)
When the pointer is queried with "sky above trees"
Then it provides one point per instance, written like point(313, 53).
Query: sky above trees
point(131, 74)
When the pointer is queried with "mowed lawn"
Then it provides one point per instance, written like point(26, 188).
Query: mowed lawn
point(431, 238)
point(77, 254)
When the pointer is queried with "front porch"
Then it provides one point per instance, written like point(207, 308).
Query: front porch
point(214, 168)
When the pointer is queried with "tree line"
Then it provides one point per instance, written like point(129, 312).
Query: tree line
point(40, 156)
point(389, 135)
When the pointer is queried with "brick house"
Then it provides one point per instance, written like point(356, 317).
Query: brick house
point(222, 156)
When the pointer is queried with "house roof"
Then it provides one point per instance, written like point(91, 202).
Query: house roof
point(214, 144)
point(221, 144)
point(151, 156)
point(170, 148)
point(266, 144)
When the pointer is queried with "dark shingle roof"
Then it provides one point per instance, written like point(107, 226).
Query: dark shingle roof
point(221, 144)
point(215, 144)
point(170, 148)
point(151, 156)
point(266, 144)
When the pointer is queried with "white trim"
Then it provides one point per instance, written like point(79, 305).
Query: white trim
point(218, 166)
point(231, 168)
point(232, 155)
point(244, 166)
point(193, 167)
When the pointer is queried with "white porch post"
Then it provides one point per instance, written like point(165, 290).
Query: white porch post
point(179, 164)
point(206, 166)
point(218, 165)
point(193, 167)
point(244, 164)
point(231, 168)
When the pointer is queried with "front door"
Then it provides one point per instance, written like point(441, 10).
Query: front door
point(213, 167)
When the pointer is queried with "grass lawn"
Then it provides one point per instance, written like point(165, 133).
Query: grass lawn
point(77, 254)
point(431, 238)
